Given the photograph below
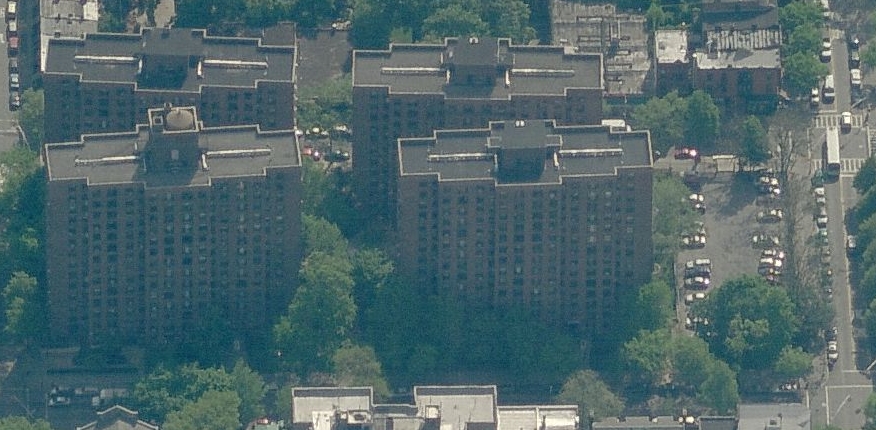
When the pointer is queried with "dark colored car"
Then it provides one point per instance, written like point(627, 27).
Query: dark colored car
point(14, 100)
point(854, 59)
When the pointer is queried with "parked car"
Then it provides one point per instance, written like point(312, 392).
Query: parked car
point(14, 100)
point(697, 283)
point(693, 241)
point(696, 198)
point(14, 83)
point(770, 262)
point(821, 218)
point(699, 262)
point(773, 253)
point(851, 243)
point(854, 59)
point(772, 215)
point(831, 334)
point(13, 65)
point(853, 41)
point(764, 241)
point(815, 97)
point(832, 351)
point(692, 297)
point(685, 153)
point(697, 271)
point(855, 77)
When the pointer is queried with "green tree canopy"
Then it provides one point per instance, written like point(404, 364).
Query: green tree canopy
point(692, 362)
point(868, 55)
point(752, 322)
point(24, 309)
point(165, 391)
point(214, 410)
point(870, 412)
point(802, 73)
point(866, 206)
point(323, 236)
point(754, 142)
point(594, 398)
point(454, 20)
point(703, 120)
point(648, 357)
point(508, 18)
point(866, 176)
point(799, 13)
point(357, 366)
point(664, 118)
point(655, 304)
point(655, 16)
point(720, 390)
point(805, 39)
point(793, 363)
point(31, 117)
point(370, 28)
point(22, 423)
point(321, 314)
point(326, 105)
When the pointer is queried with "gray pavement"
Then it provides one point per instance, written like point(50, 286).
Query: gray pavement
point(844, 389)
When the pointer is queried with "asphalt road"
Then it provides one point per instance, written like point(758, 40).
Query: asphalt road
point(840, 398)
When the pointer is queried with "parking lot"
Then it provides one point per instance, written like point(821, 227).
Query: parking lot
point(732, 204)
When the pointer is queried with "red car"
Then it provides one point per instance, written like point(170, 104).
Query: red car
point(686, 154)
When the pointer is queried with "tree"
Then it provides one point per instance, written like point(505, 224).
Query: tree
point(720, 390)
point(22, 423)
point(509, 18)
point(866, 206)
point(208, 13)
point(370, 29)
point(454, 20)
point(23, 309)
point(870, 412)
point(793, 363)
point(805, 39)
point(30, 117)
point(868, 55)
point(594, 399)
point(664, 117)
point(655, 304)
point(648, 356)
point(703, 119)
point(655, 16)
point(371, 270)
point(799, 13)
point(802, 73)
point(326, 105)
point(870, 322)
point(357, 366)
point(265, 13)
point(321, 313)
point(215, 410)
point(109, 22)
point(250, 389)
point(672, 215)
point(754, 142)
point(323, 236)
point(751, 322)
point(866, 176)
point(692, 362)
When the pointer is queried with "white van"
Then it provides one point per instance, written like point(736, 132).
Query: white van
point(829, 91)
point(11, 8)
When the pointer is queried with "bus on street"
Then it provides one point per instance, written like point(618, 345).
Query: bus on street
point(832, 153)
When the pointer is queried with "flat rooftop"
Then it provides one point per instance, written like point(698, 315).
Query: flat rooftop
point(671, 46)
point(783, 416)
point(306, 401)
point(423, 69)
point(65, 19)
point(583, 150)
point(621, 38)
point(740, 59)
point(559, 417)
point(117, 157)
point(639, 423)
point(458, 406)
point(190, 57)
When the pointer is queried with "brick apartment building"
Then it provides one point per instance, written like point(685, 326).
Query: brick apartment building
point(412, 90)
point(472, 407)
point(148, 231)
point(106, 82)
point(528, 213)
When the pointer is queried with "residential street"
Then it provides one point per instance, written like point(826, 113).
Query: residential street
point(840, 398)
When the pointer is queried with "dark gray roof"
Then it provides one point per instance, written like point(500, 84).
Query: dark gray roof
point(583, 150)
point(422, 69)
point(717, 423)
point(223, 61)
point(117, 418)
point(116, 157)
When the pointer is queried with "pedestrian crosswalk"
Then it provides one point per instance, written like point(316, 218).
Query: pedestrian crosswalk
point(847, 165)
point(833, 120)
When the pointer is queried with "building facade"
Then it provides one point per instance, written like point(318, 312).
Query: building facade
point(412, 90)
point(472, 407)
point(150, 231)
point(106, 82)
point(555, 219)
